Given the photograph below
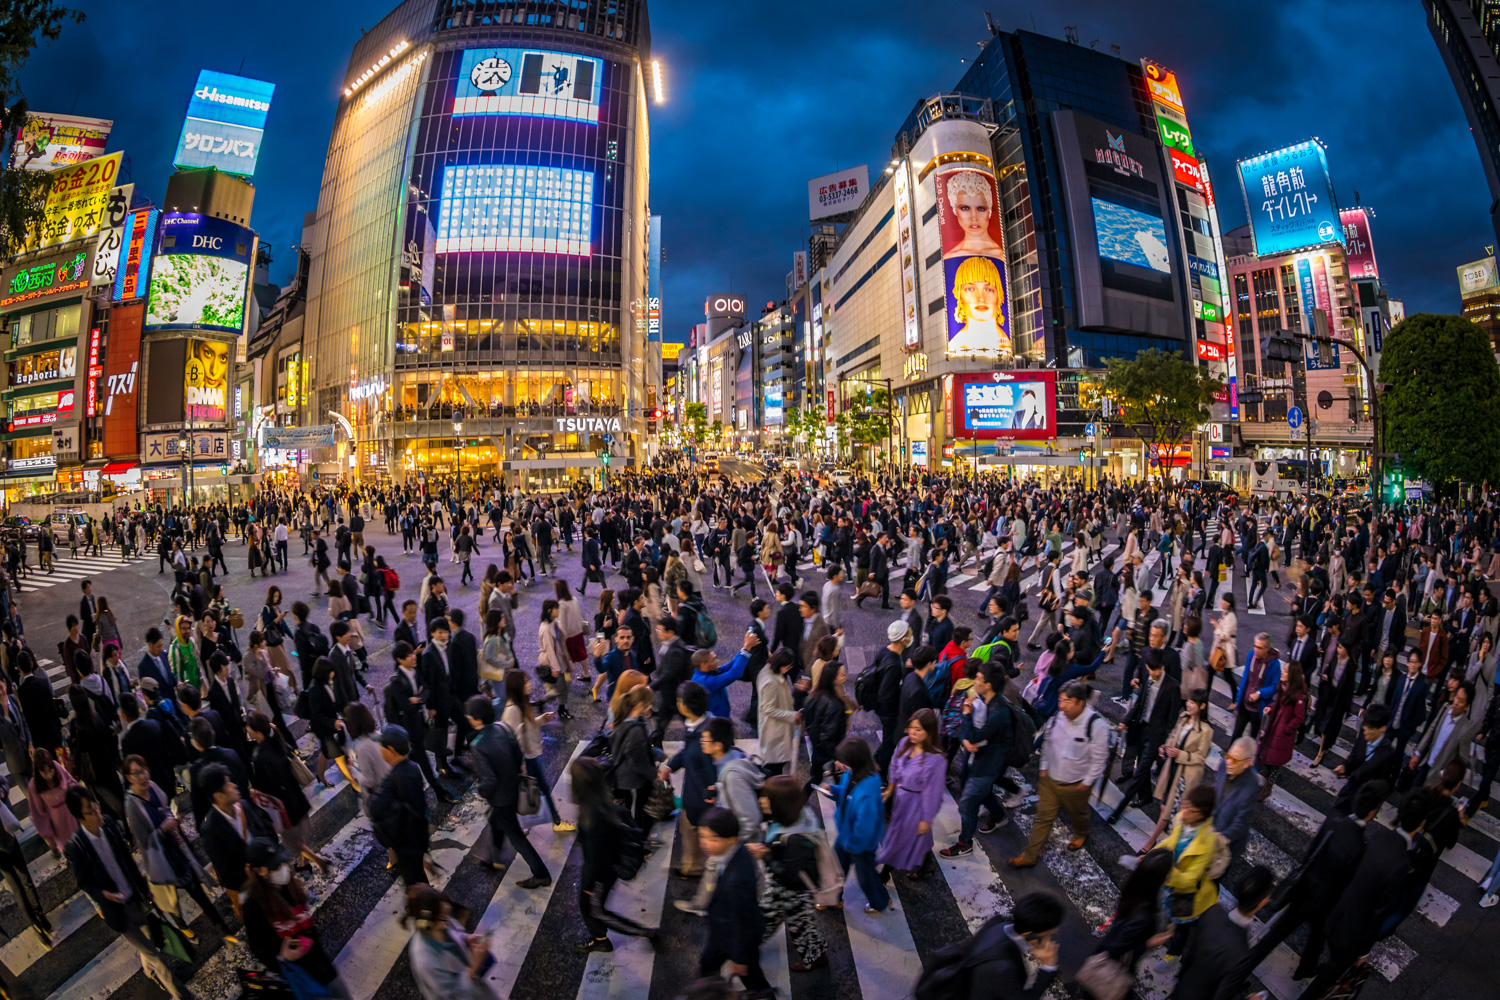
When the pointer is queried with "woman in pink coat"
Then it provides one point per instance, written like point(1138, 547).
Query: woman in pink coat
point(1278, 737)
point(45, 793)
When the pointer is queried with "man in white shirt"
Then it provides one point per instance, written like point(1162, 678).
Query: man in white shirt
point(833, 599)
point(281, 540)
point(1075, 747)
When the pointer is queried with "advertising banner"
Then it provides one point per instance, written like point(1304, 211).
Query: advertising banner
point(44, 366)
point(121, 367)
point(206, 380)
point(205, 446)
point(775, 407)
point(1131, 237)
point(1006, 404)
point(838, 192)
point(137, 241)
point(234, 149)
point(919, 453)
point(653, 280)
point(1361, 252)
point(1289, 199)
point(906, 251)
point(41, 418)
point(1162, 83)
point(49, 142)
point(296, 438)
point(1175, 135)
point(516, 208)
point(799, 269)
point(200, 274)
point(107, 250)
point(1478, 278)
point(28, 283)
point(973, 262)
point(76, 203)
point(528, 82)
point(65, 441)
point(1185, 169)
point(236, 100)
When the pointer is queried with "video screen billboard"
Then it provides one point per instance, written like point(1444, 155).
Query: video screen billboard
point(205, 379)
point(1289, 199)
point(1361, 252)
point(235, 100)
point(516, 208)
point(1130, 236)
point(1005, 404)
point(234, 149)
point(973, 247)
point(528, 82)
point(200, 274)
point(48, 142)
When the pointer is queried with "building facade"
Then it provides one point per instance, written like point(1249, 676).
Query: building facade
point(477, 291)
point(1467, 33)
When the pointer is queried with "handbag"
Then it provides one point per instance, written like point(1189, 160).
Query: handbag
point(236, 619)
point(528, 789)
point(280, 820)
point(869, 589)
point(1217, 659)
point(1104, 978)
point(662, 802)
point(175, 945)
point(301, 982)
point(300, 770)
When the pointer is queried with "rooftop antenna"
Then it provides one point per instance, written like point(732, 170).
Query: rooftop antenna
point(990, 21)
point(1094, 44)
point(1070, 32)
point(1356, 197)
point(1114, 48)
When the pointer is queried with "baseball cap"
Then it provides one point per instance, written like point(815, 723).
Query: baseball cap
point(397, 739)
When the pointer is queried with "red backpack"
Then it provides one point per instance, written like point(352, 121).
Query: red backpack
point(392, 581)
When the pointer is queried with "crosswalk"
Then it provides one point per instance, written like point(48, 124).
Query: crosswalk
point(70, 570)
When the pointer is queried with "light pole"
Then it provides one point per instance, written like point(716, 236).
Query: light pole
point(974, 426)
point(183, 444)
point(1375, 422)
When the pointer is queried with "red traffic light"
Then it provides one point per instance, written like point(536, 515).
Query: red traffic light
point(653, 414)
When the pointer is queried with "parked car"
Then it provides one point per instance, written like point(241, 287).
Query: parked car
point(1213, 491)
point(23, 526)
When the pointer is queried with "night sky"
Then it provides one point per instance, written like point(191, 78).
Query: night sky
point(759, 104)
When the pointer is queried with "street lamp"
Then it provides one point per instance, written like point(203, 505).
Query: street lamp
point(458, 430)
point(974, 425)
point(183, 444)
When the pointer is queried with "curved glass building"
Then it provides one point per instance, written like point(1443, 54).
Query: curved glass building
point(477, 282)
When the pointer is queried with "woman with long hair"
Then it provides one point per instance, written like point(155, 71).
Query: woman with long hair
point(366, 763)
point(170, 865)
point(519, 714)
point(860, 818)
point(607, 618)
point(1186, 752)
point(1223, 656)
point(279, 926)
point(271, 774)
point(260, 683)
point(46, 795)
point(601, 829)
point(496, 655)
point(447, 962)
point(272, 624)
point(825, 718)
point(1132, 932)
point(632, 765)
point(917, 786)
point(1282, 726)
point(570, 619)
point(553, 664)
point(106, 626)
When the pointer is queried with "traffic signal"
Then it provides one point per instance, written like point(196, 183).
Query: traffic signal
point(605, 459)
point(654, 414)
point(1280, 345)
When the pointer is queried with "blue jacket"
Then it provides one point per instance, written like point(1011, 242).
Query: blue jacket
point(860, 813)
point(718, 684)
point(1269, 683)
point(698, 772)
point(1238, 799)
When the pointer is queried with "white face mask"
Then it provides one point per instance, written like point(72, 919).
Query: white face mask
point(282, 875)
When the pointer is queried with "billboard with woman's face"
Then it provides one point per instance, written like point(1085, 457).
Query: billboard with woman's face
point(973, 263)
point(206, 376)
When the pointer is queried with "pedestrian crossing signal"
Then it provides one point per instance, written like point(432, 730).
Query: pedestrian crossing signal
point(605, 459)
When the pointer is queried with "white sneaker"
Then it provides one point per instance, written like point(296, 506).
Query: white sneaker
point(1489, 900)
point(1015, 801)
point(686, 906)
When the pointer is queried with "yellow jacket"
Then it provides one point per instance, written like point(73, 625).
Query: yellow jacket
point(1190, 874)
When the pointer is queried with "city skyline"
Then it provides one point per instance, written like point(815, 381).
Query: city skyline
point(817, 107)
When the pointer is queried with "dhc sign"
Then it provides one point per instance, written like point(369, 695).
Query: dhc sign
point(584, 425)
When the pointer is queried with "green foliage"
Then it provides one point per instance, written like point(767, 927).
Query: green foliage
point(1442, 410)
point(697, 418)
point(806, 425)
point(22, 192)
point(1162, 393)
point(870, 416)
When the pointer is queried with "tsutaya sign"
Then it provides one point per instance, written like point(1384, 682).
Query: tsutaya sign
point(585, 425)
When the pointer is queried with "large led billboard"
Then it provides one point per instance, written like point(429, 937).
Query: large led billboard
point(237, 100)
point(1005, 404)
point(1361, 255)
point(48, 142)
point(1130, 236)
point(205, 379)
point(973, 247)
point(1289, 199)
point(224, 123)
point(528, 82)
point(516, 208)
point(199, 274)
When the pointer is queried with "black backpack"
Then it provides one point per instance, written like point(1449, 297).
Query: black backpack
point(948, 973)
point(1022, 737)
point(867, 684)
point(632, 855)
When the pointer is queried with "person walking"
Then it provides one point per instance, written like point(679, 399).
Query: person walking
point(46, 800)
point(271, 774)
point(790, 854)
point(736, 925)
point(602, 827)
point(499, 764)
point(279, 924)
point(915, 791)
point(1186, 752)
point(447, 962)
point(1282, 727)
point(860, 819)
point(519, 715)
point(399, 807)
point(632, 770)
point(1075, 752)
point(1193, 844)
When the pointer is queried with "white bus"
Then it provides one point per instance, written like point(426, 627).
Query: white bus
point(1281, 478)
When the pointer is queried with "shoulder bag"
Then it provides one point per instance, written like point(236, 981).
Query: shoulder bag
point(1104, 978)
point(528, 789)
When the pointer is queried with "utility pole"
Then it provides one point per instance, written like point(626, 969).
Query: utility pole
point(1375, 421)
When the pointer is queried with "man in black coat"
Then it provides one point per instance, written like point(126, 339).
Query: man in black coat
point(406, 698)
point(787, 629)
point(890, 673)
point(735, 922)
point(498, 768)
point(229, 827)
point(463, 677)
point(1372, 758)
point(1216, 963)
point(201, 733)
point(310, 642)
point(634, 563)
point(673, 667)
point(346, 683)
point(123, 907)
point(436, 676)
point(1372, 894)
point(399, 807)
point(145, 738)
point(632, 603)
point(914, 693)
point(406, 628)
point(880, 572)
point(88, 607)
point(1331, 858)
point(1005, 970)
point(173, 730)
point(437, 604)
point(1147, 726)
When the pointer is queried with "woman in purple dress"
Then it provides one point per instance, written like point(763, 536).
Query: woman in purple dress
point(917, 771)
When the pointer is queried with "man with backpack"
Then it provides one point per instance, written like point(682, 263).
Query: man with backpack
point(878, 690)
point(1075, 750)
point(987, 736)
point(1015, 959)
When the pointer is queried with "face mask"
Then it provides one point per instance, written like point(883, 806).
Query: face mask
point(282, 875)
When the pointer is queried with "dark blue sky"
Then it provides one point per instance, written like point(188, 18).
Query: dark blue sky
point(763, 96)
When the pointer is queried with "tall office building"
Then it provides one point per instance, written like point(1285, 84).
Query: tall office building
point(1467, 33)
point(477, 291)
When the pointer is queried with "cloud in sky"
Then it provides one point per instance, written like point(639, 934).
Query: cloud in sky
point(763, 96)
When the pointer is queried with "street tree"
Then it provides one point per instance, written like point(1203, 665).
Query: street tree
point(1442, 407)
point(1161, 394)
point(23, 193)
point(697, 419)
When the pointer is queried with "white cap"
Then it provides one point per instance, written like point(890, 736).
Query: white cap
point(897, 630)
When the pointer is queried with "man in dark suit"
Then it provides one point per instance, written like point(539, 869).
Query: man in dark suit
point(735, 922)
point(123, 907)
point(229, 827)
point(1372, 758)
point(406, 629)
point(224, 699)
point(346, 666)
point(1216, 963)
point(310, 642)
point(632, 604)
point(203, 739)
point(154, 663)
point(1147, 726)
point(1020, 960)
point(1372, 894)
point(1390, 625)
point(88, 608)
point(406, 706)
point(463, 678)
point(436, 676)
point(880, 571)
point(1407, 698)
point(398, 808)
point(498, 766)
point(632, 568)
point(1314, 887)
point(145, 738)
point(1304, 651)
point(437, 604)
point(674, 667)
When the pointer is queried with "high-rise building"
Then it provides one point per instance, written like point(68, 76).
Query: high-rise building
point(477, 292)
point(1467, 33)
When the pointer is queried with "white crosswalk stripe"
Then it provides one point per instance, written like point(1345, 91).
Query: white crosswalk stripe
point(66, 570)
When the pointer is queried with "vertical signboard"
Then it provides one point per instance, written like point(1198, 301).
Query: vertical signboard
point(906, 251)
point(122, 367)
point(973, 248)
point(653, 280)
point(1361, 247)
point(137, 240)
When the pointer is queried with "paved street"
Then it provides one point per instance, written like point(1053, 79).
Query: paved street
point(1439, 951)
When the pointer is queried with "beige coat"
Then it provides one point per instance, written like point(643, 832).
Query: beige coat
point(777, 717)
point(1193, 761)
